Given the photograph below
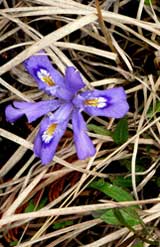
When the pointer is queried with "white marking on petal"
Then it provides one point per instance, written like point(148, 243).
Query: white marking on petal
point(102, 102)
point(49, 133)
point(46, 138)
point(99, 102)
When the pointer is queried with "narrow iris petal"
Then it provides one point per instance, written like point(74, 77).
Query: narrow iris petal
point(73, 80)
point(31, 110)
point(48, 137)
point(83, 143)
point(41, 69)
point(108, 103)
point(51, 130)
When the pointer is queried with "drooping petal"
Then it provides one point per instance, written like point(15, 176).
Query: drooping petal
point(73, 80)
point(12, 114)
point(108, 103)
point(41, 69)
point(30, 109)
point(48, 137)
point(83, 143)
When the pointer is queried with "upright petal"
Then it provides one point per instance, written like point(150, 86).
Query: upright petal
point(73, 80)
point(62, 113)
point(48, 137)
point(41, 69)
point(31, 110)
point(64, 94)
point(72, 84)
point(108, 103)
point(83, 143)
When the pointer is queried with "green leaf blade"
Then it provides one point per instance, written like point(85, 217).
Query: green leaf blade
point(100, 130)
point(125, 216)
point(120, 134)
point(111, 190)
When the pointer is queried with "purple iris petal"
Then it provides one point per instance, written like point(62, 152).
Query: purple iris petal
point(73, 80)
point(12, 114)
point(41, 69)
point(83, 143)
point(62, 113)
point(31, 110)
point(72, 83)
point(48, 137)
point(64, 94)
point(108, 103)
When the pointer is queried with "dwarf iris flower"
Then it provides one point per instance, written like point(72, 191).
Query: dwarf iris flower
point(67, 103)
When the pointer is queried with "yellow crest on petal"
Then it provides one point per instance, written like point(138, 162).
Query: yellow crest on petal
point(45, 76)
point(99, 102)
point(49, 133)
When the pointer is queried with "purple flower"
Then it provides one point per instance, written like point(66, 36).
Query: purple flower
point(67, 104)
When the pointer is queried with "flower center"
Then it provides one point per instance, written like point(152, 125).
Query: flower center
point(99, 102)
point(48, 133)
point(45, 76)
